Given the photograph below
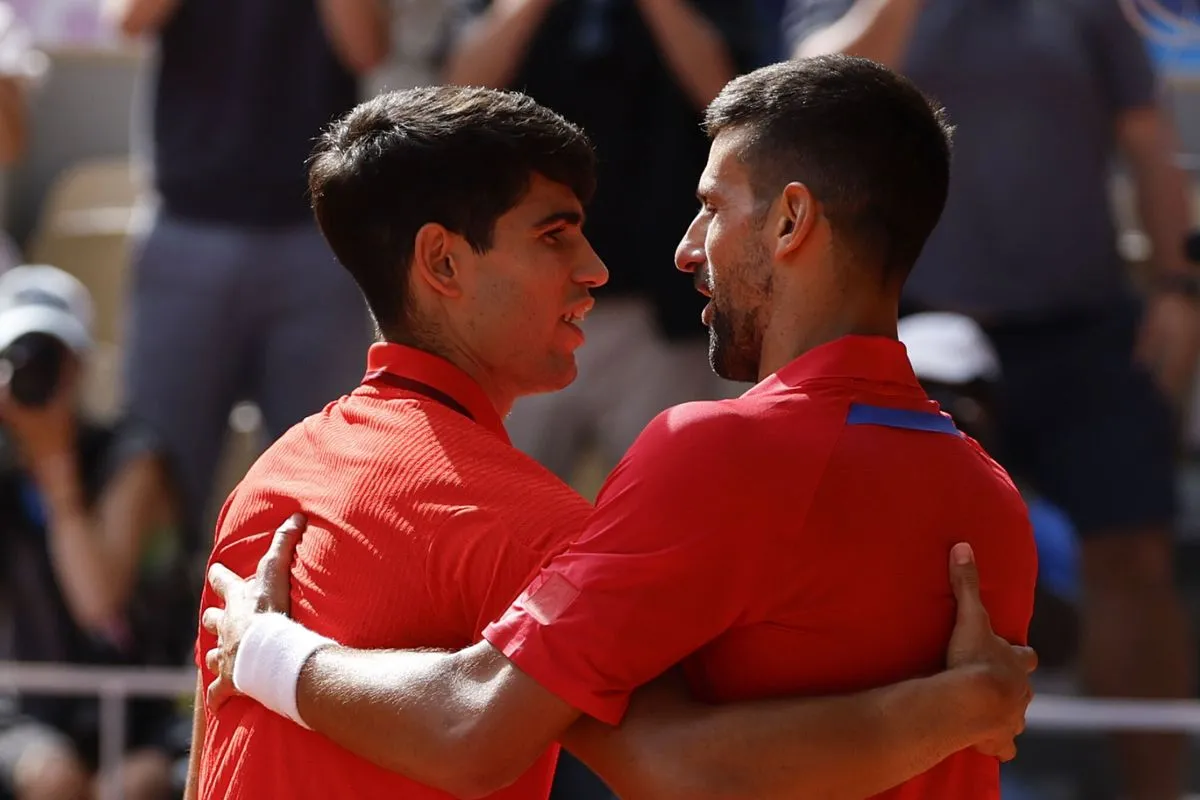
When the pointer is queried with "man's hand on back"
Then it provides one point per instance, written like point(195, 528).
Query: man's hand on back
point(268, 591)
point(1003, 669)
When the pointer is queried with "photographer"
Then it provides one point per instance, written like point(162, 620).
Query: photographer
point(88, 548)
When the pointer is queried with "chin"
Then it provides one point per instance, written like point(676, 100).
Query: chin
point(559, 378)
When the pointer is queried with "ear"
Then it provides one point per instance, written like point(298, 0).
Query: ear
point(434, 259)
point(798, 215)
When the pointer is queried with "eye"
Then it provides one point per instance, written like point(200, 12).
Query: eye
point(554, 236)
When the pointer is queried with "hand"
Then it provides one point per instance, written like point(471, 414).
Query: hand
point(267, 592)
point(1169, 344)
point(1004, 668)
point(44, 434)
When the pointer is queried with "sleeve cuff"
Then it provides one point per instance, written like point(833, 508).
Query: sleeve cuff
point(516, 636)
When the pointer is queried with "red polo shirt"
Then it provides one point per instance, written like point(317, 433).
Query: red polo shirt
point(424, 524)
point(792, 541)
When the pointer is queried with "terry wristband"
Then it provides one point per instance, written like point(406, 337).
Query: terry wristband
point(268, 662)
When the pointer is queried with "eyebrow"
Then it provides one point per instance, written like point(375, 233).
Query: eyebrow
point(560, 217)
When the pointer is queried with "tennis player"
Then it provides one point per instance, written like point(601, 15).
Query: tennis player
point(787, 542)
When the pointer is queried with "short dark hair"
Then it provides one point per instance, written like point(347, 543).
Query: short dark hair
point(872, 149)
point(457, 156)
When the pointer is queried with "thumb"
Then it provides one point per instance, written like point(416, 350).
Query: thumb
point(964, 579)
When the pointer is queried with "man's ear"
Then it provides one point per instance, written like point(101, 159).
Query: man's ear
point(433, 261)
point(798, 215)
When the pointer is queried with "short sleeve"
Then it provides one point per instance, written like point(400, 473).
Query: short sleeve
point(803, 18)
point(663, 567)
point(1122, 57)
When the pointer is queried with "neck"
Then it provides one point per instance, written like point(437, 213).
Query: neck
point(792, 332)
point(501, 397)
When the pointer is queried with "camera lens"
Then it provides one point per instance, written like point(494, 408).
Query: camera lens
point(33, 364)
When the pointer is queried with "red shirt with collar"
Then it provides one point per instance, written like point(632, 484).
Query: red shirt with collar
point(792, 541)
point(424, 525)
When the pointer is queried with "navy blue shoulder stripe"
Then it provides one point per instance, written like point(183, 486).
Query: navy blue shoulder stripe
point(862, 414)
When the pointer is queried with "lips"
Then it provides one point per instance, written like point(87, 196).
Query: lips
point(577, 312)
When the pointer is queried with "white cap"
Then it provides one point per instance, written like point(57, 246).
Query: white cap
point(41, 299)
point(948, 348)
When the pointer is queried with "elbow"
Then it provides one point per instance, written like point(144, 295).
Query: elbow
point(475, 766)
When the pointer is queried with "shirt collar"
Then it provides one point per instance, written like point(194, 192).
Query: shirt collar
point(439, 374)
point(877, 359)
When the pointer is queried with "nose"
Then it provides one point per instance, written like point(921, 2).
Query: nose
point(591, 271)
point(689, 255)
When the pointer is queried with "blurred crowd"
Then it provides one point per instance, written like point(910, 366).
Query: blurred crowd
point(1070, 358)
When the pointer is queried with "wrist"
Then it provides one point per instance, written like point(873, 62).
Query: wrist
point(1181, 282)
point(269, 660)
point(979, 699)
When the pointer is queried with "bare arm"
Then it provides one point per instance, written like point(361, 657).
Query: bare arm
point(670, 746)
point(1148, 141)
point(14, 128)
point(192, 790)
point(490, 50)
point(876, 29)
point(468, 723)
point(692, 47)
point(359, 32)
point(95, 555)
point(140, 17)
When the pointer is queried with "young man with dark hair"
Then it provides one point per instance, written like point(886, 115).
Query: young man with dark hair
point(784, 542)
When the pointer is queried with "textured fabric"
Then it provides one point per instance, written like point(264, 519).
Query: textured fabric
point(423, 526)
point(776, 550)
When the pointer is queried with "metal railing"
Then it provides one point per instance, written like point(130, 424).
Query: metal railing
point(116, 685)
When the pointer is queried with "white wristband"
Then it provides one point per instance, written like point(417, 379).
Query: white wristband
point(269, 660)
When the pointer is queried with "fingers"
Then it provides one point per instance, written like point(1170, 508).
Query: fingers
point(211, 620)
point(212, 661)
point(222, 579)
point(964, 579)
point(219, 691)
point(276, 563)
point(1027, 657)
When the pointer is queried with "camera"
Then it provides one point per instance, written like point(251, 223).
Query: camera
point(31, 367)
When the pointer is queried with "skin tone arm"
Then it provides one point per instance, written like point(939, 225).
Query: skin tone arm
point(192, 790)
point(1169, 343)
point(14, 127)
point(359, 31)
point(491, 48)
point(140, 17)
point(692, 47)
point(876, 29)
point(94, 552)
point(448, 719)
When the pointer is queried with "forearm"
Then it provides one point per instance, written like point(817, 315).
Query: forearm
point(492, 47)
point(138, 17)
point(358, 31)
point(431, 716)
point(13, 121)
point(876, 29)
point(802, 749)
point(199, 727)
point(1163, 203)
point(691, 46)
point(93, 584)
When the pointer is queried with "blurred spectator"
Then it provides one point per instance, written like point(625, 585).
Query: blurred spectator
point(22, 67)
point(1040, 93)
point(234, 293)
point(90, 557)
point(636, 75)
